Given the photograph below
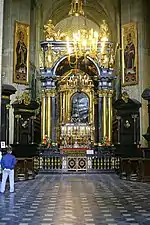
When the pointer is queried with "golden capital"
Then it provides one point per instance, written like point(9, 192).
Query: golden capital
point(110, 93)
point(51, 93)
point(104, 93)
point(100, 93)
point(43, 93)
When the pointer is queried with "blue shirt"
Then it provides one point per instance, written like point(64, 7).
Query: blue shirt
point(8, 161)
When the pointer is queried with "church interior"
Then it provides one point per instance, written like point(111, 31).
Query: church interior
point(75, 108)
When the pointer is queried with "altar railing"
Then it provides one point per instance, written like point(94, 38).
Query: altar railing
point(62, 163)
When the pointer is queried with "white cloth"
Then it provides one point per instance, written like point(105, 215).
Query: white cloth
point(6, 173)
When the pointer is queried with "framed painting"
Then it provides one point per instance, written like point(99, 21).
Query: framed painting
point(21, 53)
point(129, 54)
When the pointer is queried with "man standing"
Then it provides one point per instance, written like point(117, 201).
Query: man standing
point(8, 163)
point(0, 164)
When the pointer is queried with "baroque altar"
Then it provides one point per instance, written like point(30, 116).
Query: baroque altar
point(76, 85)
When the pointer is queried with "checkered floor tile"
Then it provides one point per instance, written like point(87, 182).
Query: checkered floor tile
point(101, 199)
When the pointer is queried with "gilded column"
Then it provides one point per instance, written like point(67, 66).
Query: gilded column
point(60, 107)
point(63, 107)
point(43, 115)
point(48, 113)
point(53, 118)
point(66, 105)
point(91, 118)
point(69, 107)
point(92, 114)
point(104, 113)
point(93, 107)
point(110, 115)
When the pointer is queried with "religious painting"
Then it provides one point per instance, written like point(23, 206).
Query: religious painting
point(80, 108)
point(129, 54)
point(21, 53)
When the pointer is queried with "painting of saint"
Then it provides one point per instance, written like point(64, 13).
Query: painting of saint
point(21, 53)
point(129, 54)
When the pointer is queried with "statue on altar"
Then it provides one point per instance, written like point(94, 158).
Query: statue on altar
point(76, 145)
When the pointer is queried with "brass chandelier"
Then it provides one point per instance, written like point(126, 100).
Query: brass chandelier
point(82, 42)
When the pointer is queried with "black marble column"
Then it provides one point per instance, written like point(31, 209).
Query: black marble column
point(17, 129)
point(96, 122)
point(118, 129)
point(134, 127)
point(32, 129)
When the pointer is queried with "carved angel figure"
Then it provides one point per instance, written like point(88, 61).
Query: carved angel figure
point(49, 31)
point(104, 30)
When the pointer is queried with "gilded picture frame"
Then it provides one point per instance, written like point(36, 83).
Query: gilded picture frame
point(21, 53)
point(129, 54)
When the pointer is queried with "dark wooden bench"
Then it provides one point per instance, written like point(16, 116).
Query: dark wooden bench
point(137, 169)
point(24, 169)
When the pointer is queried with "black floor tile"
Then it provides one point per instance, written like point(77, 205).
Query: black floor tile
point(76, 199)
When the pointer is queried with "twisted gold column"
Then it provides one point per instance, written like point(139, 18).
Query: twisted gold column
point(110, 115)
point(104, 113)
point(43, 115)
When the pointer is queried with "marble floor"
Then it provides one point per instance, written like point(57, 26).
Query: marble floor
point(101, 199)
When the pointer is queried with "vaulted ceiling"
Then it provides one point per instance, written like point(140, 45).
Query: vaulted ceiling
point(95, 10)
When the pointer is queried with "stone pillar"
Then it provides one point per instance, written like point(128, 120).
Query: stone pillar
point(38, 38)
point(1, 46)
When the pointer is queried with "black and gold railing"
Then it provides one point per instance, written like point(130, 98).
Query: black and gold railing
point(57, 162)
